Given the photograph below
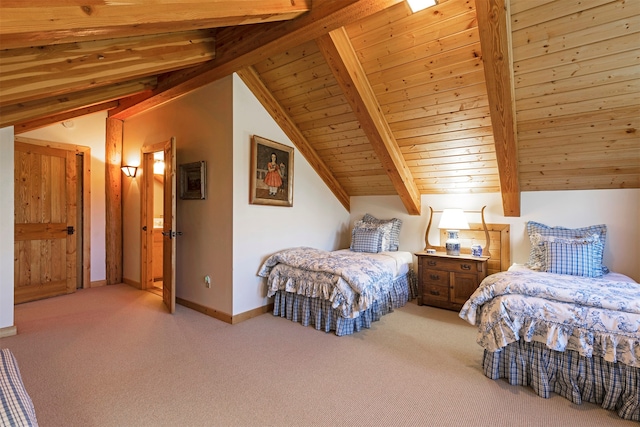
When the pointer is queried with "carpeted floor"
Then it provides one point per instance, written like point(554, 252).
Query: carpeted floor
point(112, 356)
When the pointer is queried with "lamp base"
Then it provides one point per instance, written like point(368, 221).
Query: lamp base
point(452, 245)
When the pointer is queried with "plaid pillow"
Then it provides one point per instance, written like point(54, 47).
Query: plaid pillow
point(395, 229)
point(538, 232)
point(366, 240)
point(576, 257)
point(384, 229)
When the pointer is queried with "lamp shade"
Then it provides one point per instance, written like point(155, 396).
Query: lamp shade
point(453, 219)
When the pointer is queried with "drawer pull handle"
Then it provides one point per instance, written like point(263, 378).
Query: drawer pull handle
point(431, 263)
point(434, 292)
point(465, 266)
point(434, 276)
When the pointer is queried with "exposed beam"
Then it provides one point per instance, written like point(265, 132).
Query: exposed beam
point(57, 118)
point(251, 78)
point(495, 34)
point(27, 111)
point(46, 22)
point(113, 201)
point(237, 48)
point(27, 73)
point(343, 61)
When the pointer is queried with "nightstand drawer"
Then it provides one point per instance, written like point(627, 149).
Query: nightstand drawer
point(435, 292)
point(462, 265)
point(436, 277)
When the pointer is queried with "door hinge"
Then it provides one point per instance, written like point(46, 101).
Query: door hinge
point(70, 230)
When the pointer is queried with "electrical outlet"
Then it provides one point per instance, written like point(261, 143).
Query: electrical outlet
point(207, 281)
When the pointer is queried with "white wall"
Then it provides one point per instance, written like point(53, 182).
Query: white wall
point(618, 209)
point(224, 236)
point(88, 131)
point(316, 218)
point(6, 227)
point(201, 122)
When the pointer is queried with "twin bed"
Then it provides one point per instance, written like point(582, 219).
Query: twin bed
point(345, 290)
point(563, 323)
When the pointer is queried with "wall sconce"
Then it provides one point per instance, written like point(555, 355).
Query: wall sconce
point(130, 171)
point(453, 220)
point(418, 5)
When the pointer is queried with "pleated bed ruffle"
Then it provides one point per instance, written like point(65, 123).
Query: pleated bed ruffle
point(614, 386)
point(611, 346)
point(307, 303)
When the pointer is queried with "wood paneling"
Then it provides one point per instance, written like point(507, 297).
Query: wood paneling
point(43, 22)
point(576, 89)
point(478, 95)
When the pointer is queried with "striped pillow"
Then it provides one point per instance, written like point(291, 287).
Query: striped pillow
point(576, 257)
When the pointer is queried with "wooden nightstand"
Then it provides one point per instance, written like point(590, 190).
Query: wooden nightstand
point(447, 281)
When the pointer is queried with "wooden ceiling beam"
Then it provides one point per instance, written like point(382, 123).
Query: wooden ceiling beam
point(495, 40)
point(237, 48)
point(32, 110)
point(29, 125)
point(26, 74)
point(343, 61)
point(47, 22)
point(251, 78)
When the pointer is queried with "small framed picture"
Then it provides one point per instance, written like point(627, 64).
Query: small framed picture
point(193, 180)
point(271, 173)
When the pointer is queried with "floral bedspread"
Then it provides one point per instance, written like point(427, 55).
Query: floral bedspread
point(350, 280)
point(594, 316)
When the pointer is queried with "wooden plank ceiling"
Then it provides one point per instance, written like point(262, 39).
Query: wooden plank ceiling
point(469, 96)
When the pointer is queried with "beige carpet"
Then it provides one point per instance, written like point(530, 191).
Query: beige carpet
point(111, 356)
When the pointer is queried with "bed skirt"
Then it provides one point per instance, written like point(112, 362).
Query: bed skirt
point(318, 312)
point(614, 386)
point(16, 407)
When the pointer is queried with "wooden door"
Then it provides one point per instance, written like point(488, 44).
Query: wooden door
point(45, 220)
point(169, 232)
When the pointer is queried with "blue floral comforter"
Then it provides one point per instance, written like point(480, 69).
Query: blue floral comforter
point(350, 280)
point(594, 316)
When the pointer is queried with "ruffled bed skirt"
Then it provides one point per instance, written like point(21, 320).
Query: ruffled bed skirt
point(318, 312)
point(614, 386)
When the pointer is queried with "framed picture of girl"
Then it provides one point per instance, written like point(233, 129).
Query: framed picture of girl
point(271, 168)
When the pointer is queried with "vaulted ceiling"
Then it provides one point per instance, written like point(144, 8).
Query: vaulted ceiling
point(464, 97)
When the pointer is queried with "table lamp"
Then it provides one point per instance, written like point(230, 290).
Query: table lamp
point(453, 220)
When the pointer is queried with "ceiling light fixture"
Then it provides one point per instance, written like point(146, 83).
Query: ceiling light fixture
point(418, 5)
point(158, 167)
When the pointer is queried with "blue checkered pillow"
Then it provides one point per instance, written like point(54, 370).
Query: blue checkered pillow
point(394, 236)
point(384, 229)
point(575, 257)
point(366, 240)
point(538, 234)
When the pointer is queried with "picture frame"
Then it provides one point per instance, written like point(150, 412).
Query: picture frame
point(193, 180)
point(271, 171)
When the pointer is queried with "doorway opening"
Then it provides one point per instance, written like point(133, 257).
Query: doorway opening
point(159, 225)
point(158, 222)
point(155, 184)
